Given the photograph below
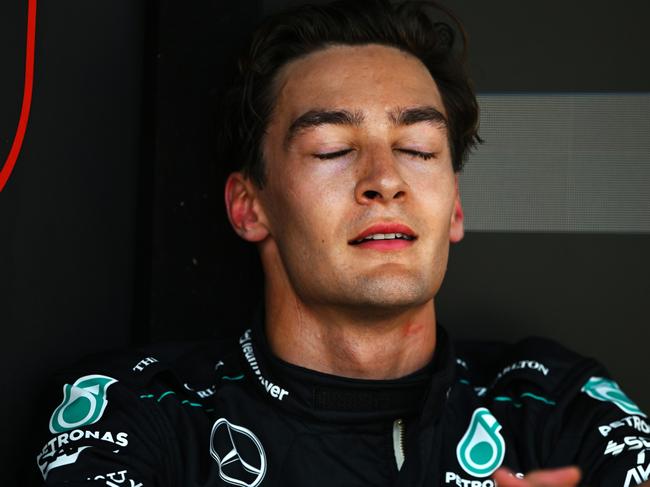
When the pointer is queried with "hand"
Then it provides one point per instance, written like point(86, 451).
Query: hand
point(561, 477)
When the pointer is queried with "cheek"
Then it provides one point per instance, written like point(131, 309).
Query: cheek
point(301, 214)
point(319, 192)
point(437, 192)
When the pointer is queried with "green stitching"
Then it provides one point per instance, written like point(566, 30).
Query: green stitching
point(525, 394)
point(184, 401)
point(506, 399)
point(539, 398)
point(239, 377)
point(165, 394)
point(195, 404)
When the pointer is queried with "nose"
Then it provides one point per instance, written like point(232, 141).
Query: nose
point(380, 180)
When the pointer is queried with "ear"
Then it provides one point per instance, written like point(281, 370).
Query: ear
point(244, 210)
point(457, 227)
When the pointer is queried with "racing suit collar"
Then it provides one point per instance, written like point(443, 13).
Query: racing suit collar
point(337, 399)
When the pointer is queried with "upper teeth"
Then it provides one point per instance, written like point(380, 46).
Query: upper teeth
point(385, 236)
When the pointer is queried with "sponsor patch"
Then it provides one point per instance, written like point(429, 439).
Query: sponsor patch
point(635, 422)
point(607, 390)
point(239, 454)
point(629, 443)
point(272, 389)
point(521, 365)
point(480, 391)
point(481, 449)
point(455, 479)
point(203, 394)
point(145, 362)
point(64, 449)
point(83, 403)
point(115, 479)
point(638, 474)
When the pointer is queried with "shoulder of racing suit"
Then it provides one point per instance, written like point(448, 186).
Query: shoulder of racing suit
point(116, 418)
point(571, 410)
point(157, 416)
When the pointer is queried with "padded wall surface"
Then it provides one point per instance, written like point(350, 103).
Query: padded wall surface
point(68, 211)
point(204, 280)
point(558, 162)
point(556, 46)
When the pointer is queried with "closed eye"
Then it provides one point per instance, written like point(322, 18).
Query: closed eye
point(411, 152)
point(416, 153)
point(333, 155)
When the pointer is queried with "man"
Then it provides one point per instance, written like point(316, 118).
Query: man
point(350, 123)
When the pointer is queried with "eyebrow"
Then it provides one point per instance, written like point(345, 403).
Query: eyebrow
point(400, 116)
point(315, 118)
point(410, 116)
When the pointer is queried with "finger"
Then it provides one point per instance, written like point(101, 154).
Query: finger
point(506, 478)
point(561, 477)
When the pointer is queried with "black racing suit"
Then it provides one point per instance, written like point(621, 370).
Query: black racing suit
point(215, 415)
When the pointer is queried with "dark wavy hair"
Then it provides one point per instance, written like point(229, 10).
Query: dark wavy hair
point(412, 26)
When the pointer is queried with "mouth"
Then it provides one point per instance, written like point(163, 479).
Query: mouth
point(385, 236)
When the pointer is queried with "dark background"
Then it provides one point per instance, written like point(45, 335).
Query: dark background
point(112, 232)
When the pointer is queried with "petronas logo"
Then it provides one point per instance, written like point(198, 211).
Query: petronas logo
point(83, 403)
point(481, 449)
point(609, 391)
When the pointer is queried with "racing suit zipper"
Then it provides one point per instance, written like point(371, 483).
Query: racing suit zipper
point(398, 442)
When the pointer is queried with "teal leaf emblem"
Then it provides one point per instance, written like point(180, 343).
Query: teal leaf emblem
point(607, 390)
point(83, 403)
point(481, 449)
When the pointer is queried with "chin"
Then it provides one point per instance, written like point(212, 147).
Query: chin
point(393, 293)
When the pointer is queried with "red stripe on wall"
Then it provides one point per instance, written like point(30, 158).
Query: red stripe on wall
point(27, 96)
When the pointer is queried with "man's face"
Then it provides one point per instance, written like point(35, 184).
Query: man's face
point(357, 147)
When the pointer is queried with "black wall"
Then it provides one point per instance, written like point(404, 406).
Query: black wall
point(69, 212)
point(112, 231)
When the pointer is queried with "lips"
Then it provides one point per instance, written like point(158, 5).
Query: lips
point(383, 232)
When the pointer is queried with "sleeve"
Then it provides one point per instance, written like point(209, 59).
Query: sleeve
point(607, 434)
point(100, 433)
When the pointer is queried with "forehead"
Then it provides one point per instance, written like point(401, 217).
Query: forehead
point(358, 78)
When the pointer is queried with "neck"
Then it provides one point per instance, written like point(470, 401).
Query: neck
point(363, 344)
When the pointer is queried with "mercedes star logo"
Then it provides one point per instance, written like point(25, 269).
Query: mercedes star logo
point(239, 454)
